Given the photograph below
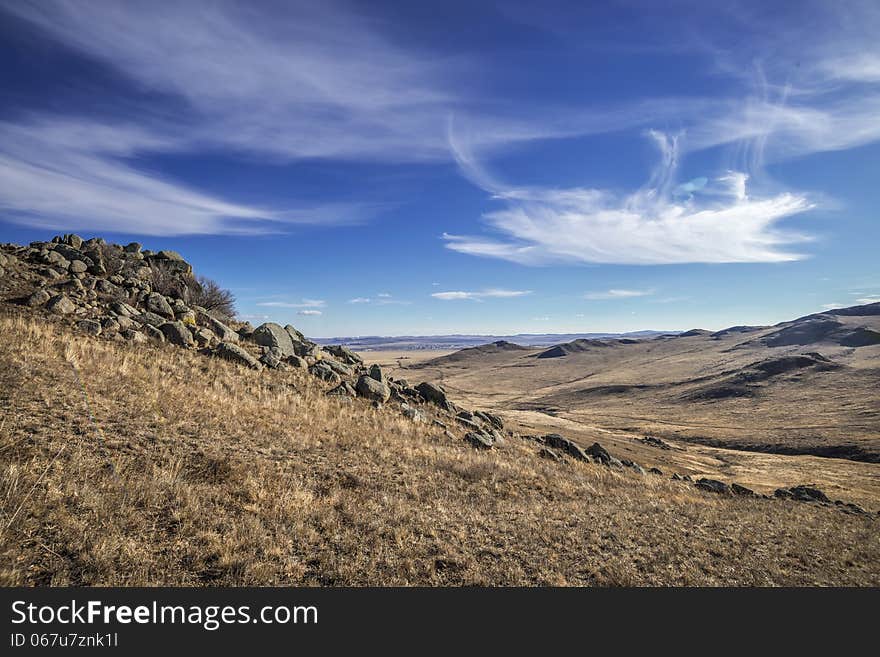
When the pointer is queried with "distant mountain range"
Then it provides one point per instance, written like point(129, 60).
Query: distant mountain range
point(461, 341)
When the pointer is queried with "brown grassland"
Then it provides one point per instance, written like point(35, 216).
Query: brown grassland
point(165, 467)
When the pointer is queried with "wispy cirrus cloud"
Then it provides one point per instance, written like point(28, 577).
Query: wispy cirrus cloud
point(381, 299)
point(304, 303)
point(66, 173)
point(492, 293)
point(309, 313)
point(647, 226)
point(617, 294)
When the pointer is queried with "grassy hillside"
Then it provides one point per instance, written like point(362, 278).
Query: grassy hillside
point(126, 464)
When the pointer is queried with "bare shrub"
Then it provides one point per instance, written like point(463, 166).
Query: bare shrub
point(111, 257)
point(168, 281)
point(209, 295)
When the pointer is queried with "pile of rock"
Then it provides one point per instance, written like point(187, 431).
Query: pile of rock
point(124, 292)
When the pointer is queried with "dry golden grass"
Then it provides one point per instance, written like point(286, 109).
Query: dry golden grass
point(197, 472)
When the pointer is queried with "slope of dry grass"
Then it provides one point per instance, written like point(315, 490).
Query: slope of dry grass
point(196, 472)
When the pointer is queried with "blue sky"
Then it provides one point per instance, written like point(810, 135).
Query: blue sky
point(427, 168)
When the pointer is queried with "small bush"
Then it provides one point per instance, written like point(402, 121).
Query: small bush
point(209, 295)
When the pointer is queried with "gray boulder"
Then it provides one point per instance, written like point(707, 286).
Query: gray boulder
point(376, 373)
point(232, 352)
point(567, 446)
point(344, 354)
point(324, 372)
point(89, 326)
point(713, 486)
point(151, 319)
point(295, 335)
point(270, 335)
point(61, 305)
point(272, 358)
point(434, 394)
point(77, 267)
point(203, 337)
point(339, 368)
point(153, 332)
point(803, 494)
point(220, 329)
point(492, 419)
point(73, 240)
point(371, 389)
point(177, 333)
point(414, 414)
point(344, 389)
point(38, 298)
point(297, 362)
point(132, 335)
point(738, 489)
point(601, 454)
point(549, 454)
point(56, 260)
point(156, 303)
point(478, 440)
point(122, 308)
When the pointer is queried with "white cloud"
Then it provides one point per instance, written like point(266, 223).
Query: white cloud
point(617, 294)
point(832, 306)
point(648, 226)
point(304, 303)
point(309, 313)
point(382, 299)
point(79, 174)
point(869, 299)
point(479, 295)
